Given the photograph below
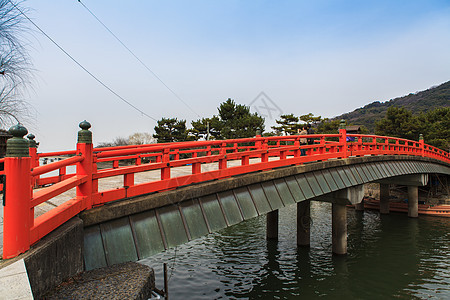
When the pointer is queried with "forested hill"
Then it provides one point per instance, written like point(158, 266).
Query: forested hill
point(438, 96)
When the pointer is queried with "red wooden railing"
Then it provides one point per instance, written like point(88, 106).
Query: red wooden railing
point(22, 229)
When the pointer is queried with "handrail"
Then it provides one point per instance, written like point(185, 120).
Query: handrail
point(56, 165)
point(57, 153)
point(56, 189)
point(255, 154)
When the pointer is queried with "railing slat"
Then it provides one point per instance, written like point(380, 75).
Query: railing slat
point(54, 218)
point(56, 189)
point(56, 165)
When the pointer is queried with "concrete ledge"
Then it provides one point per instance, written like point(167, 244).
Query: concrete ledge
point(124, 281)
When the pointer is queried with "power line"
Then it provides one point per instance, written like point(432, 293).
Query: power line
point(80, 65)
point(135, 56)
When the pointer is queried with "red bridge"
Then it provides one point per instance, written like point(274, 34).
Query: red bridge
point(227, 157)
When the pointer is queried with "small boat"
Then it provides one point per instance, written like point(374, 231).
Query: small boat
point(424, 209)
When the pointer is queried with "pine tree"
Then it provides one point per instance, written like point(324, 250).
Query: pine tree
point(288, 124)
point(398, 122)
point(171, 130)
point(234, 121)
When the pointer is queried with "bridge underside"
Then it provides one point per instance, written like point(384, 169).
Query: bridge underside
point(139, 227)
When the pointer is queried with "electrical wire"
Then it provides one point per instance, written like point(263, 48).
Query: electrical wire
point(80, 65)
point(138, 59)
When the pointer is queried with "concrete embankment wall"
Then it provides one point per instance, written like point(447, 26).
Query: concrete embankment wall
point(55, 258)
point(60, 256)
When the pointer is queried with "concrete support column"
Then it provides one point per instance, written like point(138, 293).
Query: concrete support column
point(339, 228)
point(413, 201)
point(272, 225)
point(384, 198)
point(303, 223)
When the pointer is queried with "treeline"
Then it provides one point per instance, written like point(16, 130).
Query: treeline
point(401, 122)
point(236, 121)
point(232, 121)
point(418, 102)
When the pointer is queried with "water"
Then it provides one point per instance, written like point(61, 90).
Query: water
point(390, 256)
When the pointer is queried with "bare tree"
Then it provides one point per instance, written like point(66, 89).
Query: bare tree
point(15, 65)
point(118, 141)
point(141, 138)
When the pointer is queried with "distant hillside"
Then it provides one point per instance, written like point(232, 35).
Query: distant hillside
point(423, 101)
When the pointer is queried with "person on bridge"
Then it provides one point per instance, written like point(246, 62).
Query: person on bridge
point(310, 131)
point(303, 141)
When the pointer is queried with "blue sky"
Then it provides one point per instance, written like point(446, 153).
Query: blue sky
point(325, 57)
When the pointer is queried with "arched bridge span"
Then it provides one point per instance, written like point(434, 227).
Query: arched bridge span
point(142, 226)
point(255, 175)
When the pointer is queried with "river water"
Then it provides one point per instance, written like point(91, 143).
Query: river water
point(389, 256)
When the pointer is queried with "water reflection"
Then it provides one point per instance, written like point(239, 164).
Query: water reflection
point(389, 255)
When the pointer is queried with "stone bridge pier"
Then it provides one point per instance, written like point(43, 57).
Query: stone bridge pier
point(339, 200)
point(412, 182)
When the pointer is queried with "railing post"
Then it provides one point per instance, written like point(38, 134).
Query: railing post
point(297, 146)
point(258, 143)
point(360, 144)
point(32, 145)
point(265, 155)
point(196, 168)
point(34, 157)
point(245, 160)
point(343, 138)
point(397, 146)
point(128, 180)
point(386, 146)
point(62, 173)
point(282, 154)
point(86, 166)
point(16, 210)
point(422, 145)
point(223, 161)
point(165, 171)
point(115, 164)
point(322, 145)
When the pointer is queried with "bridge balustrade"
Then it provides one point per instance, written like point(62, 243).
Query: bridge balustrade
point(230, 158)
